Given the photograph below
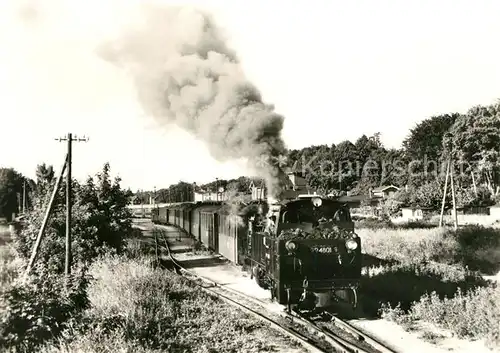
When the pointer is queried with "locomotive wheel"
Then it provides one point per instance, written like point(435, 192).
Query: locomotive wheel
point(353, 298)
point(288, 300)
point(349, 296)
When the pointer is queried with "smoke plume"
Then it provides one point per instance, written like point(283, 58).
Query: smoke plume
point(185, 74)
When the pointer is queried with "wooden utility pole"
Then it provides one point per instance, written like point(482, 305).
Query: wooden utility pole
point(69, 138)
point(453, 199)
point(24, 196)
point(444, 193)
point(34, 253)
point(474, 182)
point(449, 172)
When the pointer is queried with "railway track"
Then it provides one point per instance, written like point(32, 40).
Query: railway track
point(334, 335)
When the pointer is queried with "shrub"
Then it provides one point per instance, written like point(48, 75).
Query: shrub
point(100, 222)
point(38, 309)
point(405, 283)
point(474, 315)
point(373, 223)
point(41, 309)
point(478, 248)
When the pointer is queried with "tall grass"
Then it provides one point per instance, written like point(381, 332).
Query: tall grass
point(5, 235)
point(136, 307)
point(471, 315)
point(476, 247)
point(10, 266)
point(431, 275)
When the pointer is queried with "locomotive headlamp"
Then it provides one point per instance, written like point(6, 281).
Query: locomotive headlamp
point(316, 201)
point(291, 246)
point(351, 244)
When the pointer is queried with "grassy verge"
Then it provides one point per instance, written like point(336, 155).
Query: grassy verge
point(4, 234)
point(433, 275)
point(129, 305)
point(135, 306)
point(472, 315)
point(474, 247)
point(403, 284)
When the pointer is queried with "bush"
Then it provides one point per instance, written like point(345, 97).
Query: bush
point(43, 307)
point(474, 315)
point(478, 248)
point(38, 310)
point(100, 222)
point(373, 223)
point(405, 283)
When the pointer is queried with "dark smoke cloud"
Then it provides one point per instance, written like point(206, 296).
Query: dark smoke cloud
point(186, 75)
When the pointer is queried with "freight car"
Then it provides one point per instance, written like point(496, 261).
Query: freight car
point(305, 251)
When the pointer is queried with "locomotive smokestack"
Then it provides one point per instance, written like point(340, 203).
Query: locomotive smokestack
point(186, 75)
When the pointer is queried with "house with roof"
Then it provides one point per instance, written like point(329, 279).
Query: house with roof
point(416, 213)
point(384, 192)
point(294, 184)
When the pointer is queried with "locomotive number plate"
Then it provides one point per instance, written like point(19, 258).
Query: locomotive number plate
point(322, 249)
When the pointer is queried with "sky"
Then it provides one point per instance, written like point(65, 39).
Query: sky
point(334, 69)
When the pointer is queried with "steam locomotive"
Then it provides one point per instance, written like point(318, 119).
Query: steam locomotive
point(304, 250)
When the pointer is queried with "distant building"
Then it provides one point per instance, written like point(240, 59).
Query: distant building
point(416, 213)
point(384, 192)
point(210, 196)
point(258, 191)
point(495, 212)
point(356, 201)
point(295, 185)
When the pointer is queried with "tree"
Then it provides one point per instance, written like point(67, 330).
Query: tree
point(100, 223)
point(426, 138)
point(428, 195)
point(475, 139)
point(10, 188)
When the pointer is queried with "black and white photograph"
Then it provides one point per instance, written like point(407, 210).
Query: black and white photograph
point(231, 176)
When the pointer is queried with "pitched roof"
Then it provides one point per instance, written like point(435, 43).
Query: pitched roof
point(355, 198)
point(383, 188)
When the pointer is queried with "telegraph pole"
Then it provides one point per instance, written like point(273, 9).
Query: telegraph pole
point(69, 138)
point(217, 188)
point(449, 174)
point(24, 196)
